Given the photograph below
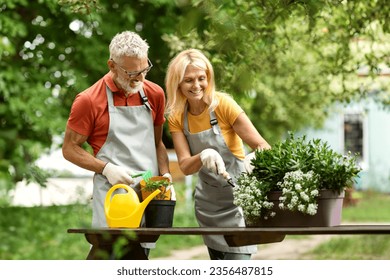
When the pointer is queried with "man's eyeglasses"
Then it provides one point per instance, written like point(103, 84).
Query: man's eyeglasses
point(136, 73)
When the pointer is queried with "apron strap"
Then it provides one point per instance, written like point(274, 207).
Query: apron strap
point(214, 123)
point(144, 99)
point(141, 93)
point(110, 98)
point(185, 124)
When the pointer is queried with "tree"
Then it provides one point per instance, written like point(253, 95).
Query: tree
point(50, 50)
point(284, 61)
point(288, 61)
point(33, 54)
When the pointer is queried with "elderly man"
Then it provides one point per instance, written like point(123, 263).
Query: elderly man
point(121, 117)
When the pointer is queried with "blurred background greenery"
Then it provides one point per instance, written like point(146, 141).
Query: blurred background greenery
point(286, 62)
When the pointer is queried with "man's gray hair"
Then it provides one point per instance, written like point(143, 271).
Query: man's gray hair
point(128, 43)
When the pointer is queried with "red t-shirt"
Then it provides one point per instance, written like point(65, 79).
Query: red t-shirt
point(89, 113)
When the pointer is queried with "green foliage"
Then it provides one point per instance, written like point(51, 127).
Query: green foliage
point(284, 61)
point(33, 70)
point(298, 168)
point(81, 6)
point(40, 233)
point(51, 50)
point(152, 185)
point(287, 61)
point(335, 170)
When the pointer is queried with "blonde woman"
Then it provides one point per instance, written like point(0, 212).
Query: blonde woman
point(208, 129)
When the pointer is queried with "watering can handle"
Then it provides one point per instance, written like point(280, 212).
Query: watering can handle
point(107, 201)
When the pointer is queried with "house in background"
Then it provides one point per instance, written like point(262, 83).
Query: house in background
point(364, 128)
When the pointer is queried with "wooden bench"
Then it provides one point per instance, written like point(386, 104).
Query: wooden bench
point(104, 240)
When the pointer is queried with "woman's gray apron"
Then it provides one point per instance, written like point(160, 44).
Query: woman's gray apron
point(213, 195)
point(130, 143)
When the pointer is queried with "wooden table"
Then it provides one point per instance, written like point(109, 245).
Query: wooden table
point(125, 243)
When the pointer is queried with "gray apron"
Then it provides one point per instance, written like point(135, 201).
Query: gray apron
point(130, 143)
point(213, 195)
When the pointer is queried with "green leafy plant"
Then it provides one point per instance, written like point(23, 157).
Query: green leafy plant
point(152, 185)
point(299, 169)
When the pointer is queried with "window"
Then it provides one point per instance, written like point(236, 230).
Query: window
point(353, 134)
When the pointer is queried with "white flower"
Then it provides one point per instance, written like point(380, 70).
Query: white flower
point(251, 197)
point(299, 192)
point(294, 200)
point(312, 209)
point(304, 196)
point(314, 193)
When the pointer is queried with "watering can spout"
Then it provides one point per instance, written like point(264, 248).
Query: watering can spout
point(146, 201)
point(124, 209)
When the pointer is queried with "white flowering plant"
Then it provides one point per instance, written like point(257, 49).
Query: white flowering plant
point(253, 198)
point(299, 192)
point(298, 169)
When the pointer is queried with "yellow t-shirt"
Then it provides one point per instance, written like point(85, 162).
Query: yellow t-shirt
point(226, 112)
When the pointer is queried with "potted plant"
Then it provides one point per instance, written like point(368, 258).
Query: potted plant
point(296, 183)
point(156, 182)
point(160, 210)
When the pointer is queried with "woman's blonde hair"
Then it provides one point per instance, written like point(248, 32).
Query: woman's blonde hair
point(175, 74)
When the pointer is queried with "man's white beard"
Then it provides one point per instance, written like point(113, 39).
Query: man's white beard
point(125, 85)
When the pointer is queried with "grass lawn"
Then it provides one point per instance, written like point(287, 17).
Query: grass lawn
point(373, 208)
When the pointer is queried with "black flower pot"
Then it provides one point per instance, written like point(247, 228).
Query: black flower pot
point(159, 213)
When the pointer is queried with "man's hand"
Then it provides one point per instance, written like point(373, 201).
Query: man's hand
point(212, 160)
point(117, 174)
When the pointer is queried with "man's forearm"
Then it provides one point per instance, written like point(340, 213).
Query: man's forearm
point(83, 159)
point(162, 159)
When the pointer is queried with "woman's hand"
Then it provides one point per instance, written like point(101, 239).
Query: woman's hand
point(248, 162)
point(212, 160)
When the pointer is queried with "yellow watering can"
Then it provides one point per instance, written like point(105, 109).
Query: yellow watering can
point(125, 209)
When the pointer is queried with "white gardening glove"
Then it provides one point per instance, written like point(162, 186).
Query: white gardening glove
point(212, 160)
point(117, 174)
point(169, 176)
point(170, 187)
point(247, 162)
